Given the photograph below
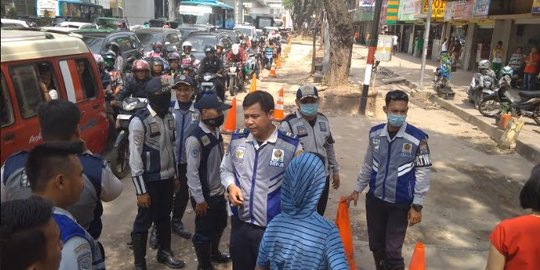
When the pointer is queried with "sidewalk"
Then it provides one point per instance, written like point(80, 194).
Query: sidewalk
point(408, 67)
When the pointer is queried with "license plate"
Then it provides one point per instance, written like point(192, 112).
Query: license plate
point(207, 84)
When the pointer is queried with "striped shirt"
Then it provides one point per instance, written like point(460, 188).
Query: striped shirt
point(299, 238)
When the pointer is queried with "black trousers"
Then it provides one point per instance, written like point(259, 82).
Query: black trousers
point(387, 224)
point(321, 206)
point(161, 193)
point(181, 197)
point(244, 246)
point(212, 224)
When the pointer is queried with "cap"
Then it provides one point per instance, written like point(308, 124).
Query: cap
point(211, 101)
point(307, 91)
point(158, 85)
point(183, 79)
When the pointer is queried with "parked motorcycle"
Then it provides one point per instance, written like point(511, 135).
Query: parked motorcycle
point(120, 153)
point(482, 85)
point(494, 103)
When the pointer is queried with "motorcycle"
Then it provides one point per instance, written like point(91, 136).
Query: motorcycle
point(120, 153)
point(441, 83)
point(493, 104)
point(481, 85)
point(236, 78)
point(528, 105)
point(251, 66)
point(207, 83)
point(268, 57)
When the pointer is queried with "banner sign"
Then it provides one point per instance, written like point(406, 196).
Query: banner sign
point(408, 10)
point(437, 8)
point(481, 8)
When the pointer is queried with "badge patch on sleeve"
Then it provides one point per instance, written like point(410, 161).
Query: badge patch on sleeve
point(278, 156)
point(205, 140)
point(423, 158)
point(323, 127)
point(194, 117)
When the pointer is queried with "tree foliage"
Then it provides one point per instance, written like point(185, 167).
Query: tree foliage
point(302, 10)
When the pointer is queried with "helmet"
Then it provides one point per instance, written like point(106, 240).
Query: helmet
point(220, 44)
point(209, 49)
point(186, 44)
point(140, 65)
point(99, 59)
point(156, 46)
point(109, 55)
point(173, 56)
point(114, 47)
point(235, 49)
point(157, 62)
point(507, 70)
point(242, 43)
point(484, 64)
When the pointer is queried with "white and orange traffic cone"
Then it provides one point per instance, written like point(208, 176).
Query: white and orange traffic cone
point(279, 114)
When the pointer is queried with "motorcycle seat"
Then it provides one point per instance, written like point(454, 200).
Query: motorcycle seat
point(529, 94)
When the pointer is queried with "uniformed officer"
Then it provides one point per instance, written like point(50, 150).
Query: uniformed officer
point(396, 168)
point(59, 121)
point(186, 119)
point(153, 170)
point(252, 171)
point(55, 174)
point(313, 129)
point(204, 152)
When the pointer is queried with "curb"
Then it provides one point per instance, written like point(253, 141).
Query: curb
point(530, 153)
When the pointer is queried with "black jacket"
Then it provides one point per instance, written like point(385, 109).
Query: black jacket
point(133, 87)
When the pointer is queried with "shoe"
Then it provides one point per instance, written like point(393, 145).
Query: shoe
point(167, 258)
point(378, 257)
point(139, 250)
point(154, 243)
point(203, 251)
point(217, 256)
point(178, 227)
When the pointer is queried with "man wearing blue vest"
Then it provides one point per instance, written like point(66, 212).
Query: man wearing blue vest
point(396, 168)
point(59, 121)
point(252, 171)
point(186, 119)
point(204, 152)
point(56, 174)
point(153, 172)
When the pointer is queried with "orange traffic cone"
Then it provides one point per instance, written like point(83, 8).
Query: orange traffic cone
point(273, 71)
point(278, 61)
point(253, 85)
point(230, 121)
point(418, 260)
point(278, 112)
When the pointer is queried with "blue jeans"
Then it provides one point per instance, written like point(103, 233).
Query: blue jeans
point(529, 81)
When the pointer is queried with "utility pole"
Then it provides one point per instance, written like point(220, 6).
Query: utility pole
point(172, 10)
point(426, 43)
point(372, 47)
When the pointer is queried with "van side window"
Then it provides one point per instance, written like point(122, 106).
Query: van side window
point(6, 110)
point(88, 82)
point(47, 80)
point(27, 88)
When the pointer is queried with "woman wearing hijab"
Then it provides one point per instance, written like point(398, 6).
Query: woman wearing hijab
point(300, 238)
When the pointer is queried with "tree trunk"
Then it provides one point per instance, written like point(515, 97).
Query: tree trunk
point(341, 41)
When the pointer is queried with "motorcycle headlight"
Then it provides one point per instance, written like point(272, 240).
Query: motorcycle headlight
point(128, 106)
point(232, 69)
point(207, 77)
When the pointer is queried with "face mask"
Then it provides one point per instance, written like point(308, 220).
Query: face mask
point(160, 103)
point(309, 109)
point(215, 122)
point(158, 50)
point(396, 120)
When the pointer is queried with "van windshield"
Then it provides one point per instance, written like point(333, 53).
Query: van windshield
point(94, 43)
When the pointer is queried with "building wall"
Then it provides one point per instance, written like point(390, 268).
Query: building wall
point(139, 11)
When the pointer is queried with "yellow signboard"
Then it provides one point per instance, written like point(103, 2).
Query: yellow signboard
point(438, 8)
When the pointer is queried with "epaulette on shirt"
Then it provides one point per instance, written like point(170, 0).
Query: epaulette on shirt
point(240, 133)
point(288, 137)
point(289, 117)
point(14, 162)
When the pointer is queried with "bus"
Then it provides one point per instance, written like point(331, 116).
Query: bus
point(79, 11)
point(211, 12)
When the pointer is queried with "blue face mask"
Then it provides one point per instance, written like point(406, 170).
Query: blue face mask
point(396, 120)
point(309, 109)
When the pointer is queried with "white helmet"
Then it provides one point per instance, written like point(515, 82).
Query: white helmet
point(235, 49)
point(484, 64)
point(186, 44)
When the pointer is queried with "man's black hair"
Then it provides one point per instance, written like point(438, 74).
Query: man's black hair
point(48, 159)
point(23, 241)
point(529, 196)
point(396, 95)
point(58, 120)
point(263, 98)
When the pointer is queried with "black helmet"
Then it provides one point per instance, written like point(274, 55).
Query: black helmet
point(156, 62)
point(173, 56)
point(209, 49)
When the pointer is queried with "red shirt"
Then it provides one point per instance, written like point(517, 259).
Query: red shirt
point(534, 61)
point(518, 239)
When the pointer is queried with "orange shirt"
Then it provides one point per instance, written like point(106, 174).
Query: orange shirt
point(534, 61)
point(518, 239)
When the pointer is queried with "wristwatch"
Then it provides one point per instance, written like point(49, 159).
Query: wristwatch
point(417, 207)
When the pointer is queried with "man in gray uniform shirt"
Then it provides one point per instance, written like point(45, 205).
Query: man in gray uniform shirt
point(313, 129)
point(204, 151)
